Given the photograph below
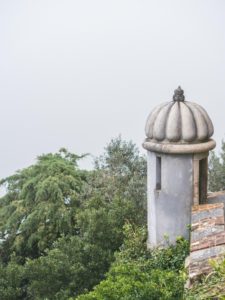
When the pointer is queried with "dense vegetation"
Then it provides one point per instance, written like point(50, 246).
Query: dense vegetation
point(60, 226)
point(141, 274)
point(67, 233)
point(217, 170)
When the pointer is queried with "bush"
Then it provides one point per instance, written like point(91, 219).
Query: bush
point(141, 274)
point(136, 280)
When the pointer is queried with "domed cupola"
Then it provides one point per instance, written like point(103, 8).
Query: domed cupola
point(179, 126)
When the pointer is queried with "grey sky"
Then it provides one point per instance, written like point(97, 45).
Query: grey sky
point(77, 73)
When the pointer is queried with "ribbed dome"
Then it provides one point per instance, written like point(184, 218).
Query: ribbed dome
point(179, 121)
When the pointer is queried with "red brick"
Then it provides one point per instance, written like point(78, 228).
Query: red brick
point(209, 241)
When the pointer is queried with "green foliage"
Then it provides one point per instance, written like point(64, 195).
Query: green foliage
point(40, 205)
point(141, 274)
point(217, 170)
point(68, 269)
point(172, 257)
point(136, 281)
point(12, 281)
point(121, 172)
point(60, 226)
point(134, 248)
point(211, 286)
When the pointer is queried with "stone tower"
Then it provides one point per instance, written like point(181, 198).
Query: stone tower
point(178, 143)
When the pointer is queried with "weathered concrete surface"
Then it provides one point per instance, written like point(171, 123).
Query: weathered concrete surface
point(169, 209)
point(207, 238)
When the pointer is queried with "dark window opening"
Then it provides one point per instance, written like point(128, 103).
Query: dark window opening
point(158, 173)
point(203, 172)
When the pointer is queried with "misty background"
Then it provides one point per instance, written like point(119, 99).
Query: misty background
point(76, 73)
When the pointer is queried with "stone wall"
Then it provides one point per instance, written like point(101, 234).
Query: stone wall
point(207, 239)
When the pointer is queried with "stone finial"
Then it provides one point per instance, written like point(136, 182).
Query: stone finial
point(178, 94)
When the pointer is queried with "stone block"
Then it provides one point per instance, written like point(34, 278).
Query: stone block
point(205, 211)
point(207, 253)
point(209, 241)
point(207, 227)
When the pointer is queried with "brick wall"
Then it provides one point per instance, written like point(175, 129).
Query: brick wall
point(207, 238)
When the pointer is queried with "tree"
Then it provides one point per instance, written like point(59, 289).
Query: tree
point(40, 205)
point(68, 269)
point(12, 281)
point(61, 226)
point(217, 170)
point(122, 172)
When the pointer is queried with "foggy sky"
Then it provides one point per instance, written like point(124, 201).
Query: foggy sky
point(75, 73)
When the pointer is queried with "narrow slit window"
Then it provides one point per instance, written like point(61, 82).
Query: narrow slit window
point(158, 173)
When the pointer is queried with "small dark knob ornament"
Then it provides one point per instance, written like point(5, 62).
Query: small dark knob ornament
point(178, 94)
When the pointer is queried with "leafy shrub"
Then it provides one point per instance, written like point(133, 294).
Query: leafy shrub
point(141, 274)
point(133, 281)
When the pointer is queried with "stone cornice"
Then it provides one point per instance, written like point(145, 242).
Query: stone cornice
point(178, 148)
